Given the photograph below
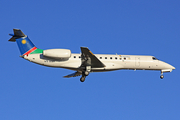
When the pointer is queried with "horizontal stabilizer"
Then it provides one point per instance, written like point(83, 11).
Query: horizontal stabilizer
point(17, 34)
point(12, 39)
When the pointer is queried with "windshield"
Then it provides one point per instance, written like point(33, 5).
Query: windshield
point(154, 58)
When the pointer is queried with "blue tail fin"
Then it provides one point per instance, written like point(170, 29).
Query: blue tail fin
point(24, 43)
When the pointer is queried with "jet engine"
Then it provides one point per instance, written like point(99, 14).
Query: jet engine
point(57, 53)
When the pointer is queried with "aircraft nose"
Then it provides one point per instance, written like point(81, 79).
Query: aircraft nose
point(170, 66)
point(167, 66)
point(173, 67)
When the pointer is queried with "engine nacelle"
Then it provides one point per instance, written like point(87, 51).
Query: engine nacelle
point(57, 53)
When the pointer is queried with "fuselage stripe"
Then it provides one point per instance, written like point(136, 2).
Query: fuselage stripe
point(31, 50)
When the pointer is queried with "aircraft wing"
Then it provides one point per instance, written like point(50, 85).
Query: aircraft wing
point(89, 59)
point(73, 74)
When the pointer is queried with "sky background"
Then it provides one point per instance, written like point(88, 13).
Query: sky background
point(143, 27)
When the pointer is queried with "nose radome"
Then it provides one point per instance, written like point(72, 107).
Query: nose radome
point(167, 66)
point(173, 67)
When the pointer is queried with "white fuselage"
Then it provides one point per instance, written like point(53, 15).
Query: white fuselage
point(63, 58)
point(111, 62)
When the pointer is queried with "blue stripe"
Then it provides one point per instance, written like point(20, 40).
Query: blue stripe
point(24, 44)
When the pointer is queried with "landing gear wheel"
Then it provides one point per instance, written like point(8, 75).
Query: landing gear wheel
point(82, 79)
point(161, 76)
point(86, 73)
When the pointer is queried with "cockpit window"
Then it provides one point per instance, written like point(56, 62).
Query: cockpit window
point(154, 58)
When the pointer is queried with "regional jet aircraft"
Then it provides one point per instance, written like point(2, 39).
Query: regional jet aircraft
point(86, 62)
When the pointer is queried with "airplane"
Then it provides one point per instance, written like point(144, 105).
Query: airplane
point(85, 63)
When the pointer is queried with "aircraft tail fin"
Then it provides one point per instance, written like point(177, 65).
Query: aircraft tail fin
point(24, 43)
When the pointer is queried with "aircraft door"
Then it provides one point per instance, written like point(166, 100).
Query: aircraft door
point(137, 61)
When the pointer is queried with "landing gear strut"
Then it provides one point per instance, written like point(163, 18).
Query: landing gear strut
point(85, 73)
point(162, 76)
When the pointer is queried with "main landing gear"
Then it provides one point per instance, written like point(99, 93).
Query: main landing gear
point(85, 73)
point(82, 79)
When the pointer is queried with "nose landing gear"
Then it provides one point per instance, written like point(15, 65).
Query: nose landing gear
point(162, 76)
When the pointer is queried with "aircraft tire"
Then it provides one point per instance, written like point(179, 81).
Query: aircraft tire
point(82, 79)
point(161, 76)
point(86, 73)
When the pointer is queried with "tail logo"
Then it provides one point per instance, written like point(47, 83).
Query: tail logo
point(23, 41)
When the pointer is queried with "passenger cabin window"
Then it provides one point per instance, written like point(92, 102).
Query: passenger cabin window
point(110, 57)
point(100, 57)
point(74, 56)
point(154, 58)
point(105, 57)
point(116, 58)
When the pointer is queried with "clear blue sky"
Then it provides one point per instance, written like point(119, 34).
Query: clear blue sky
point(144, 27)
